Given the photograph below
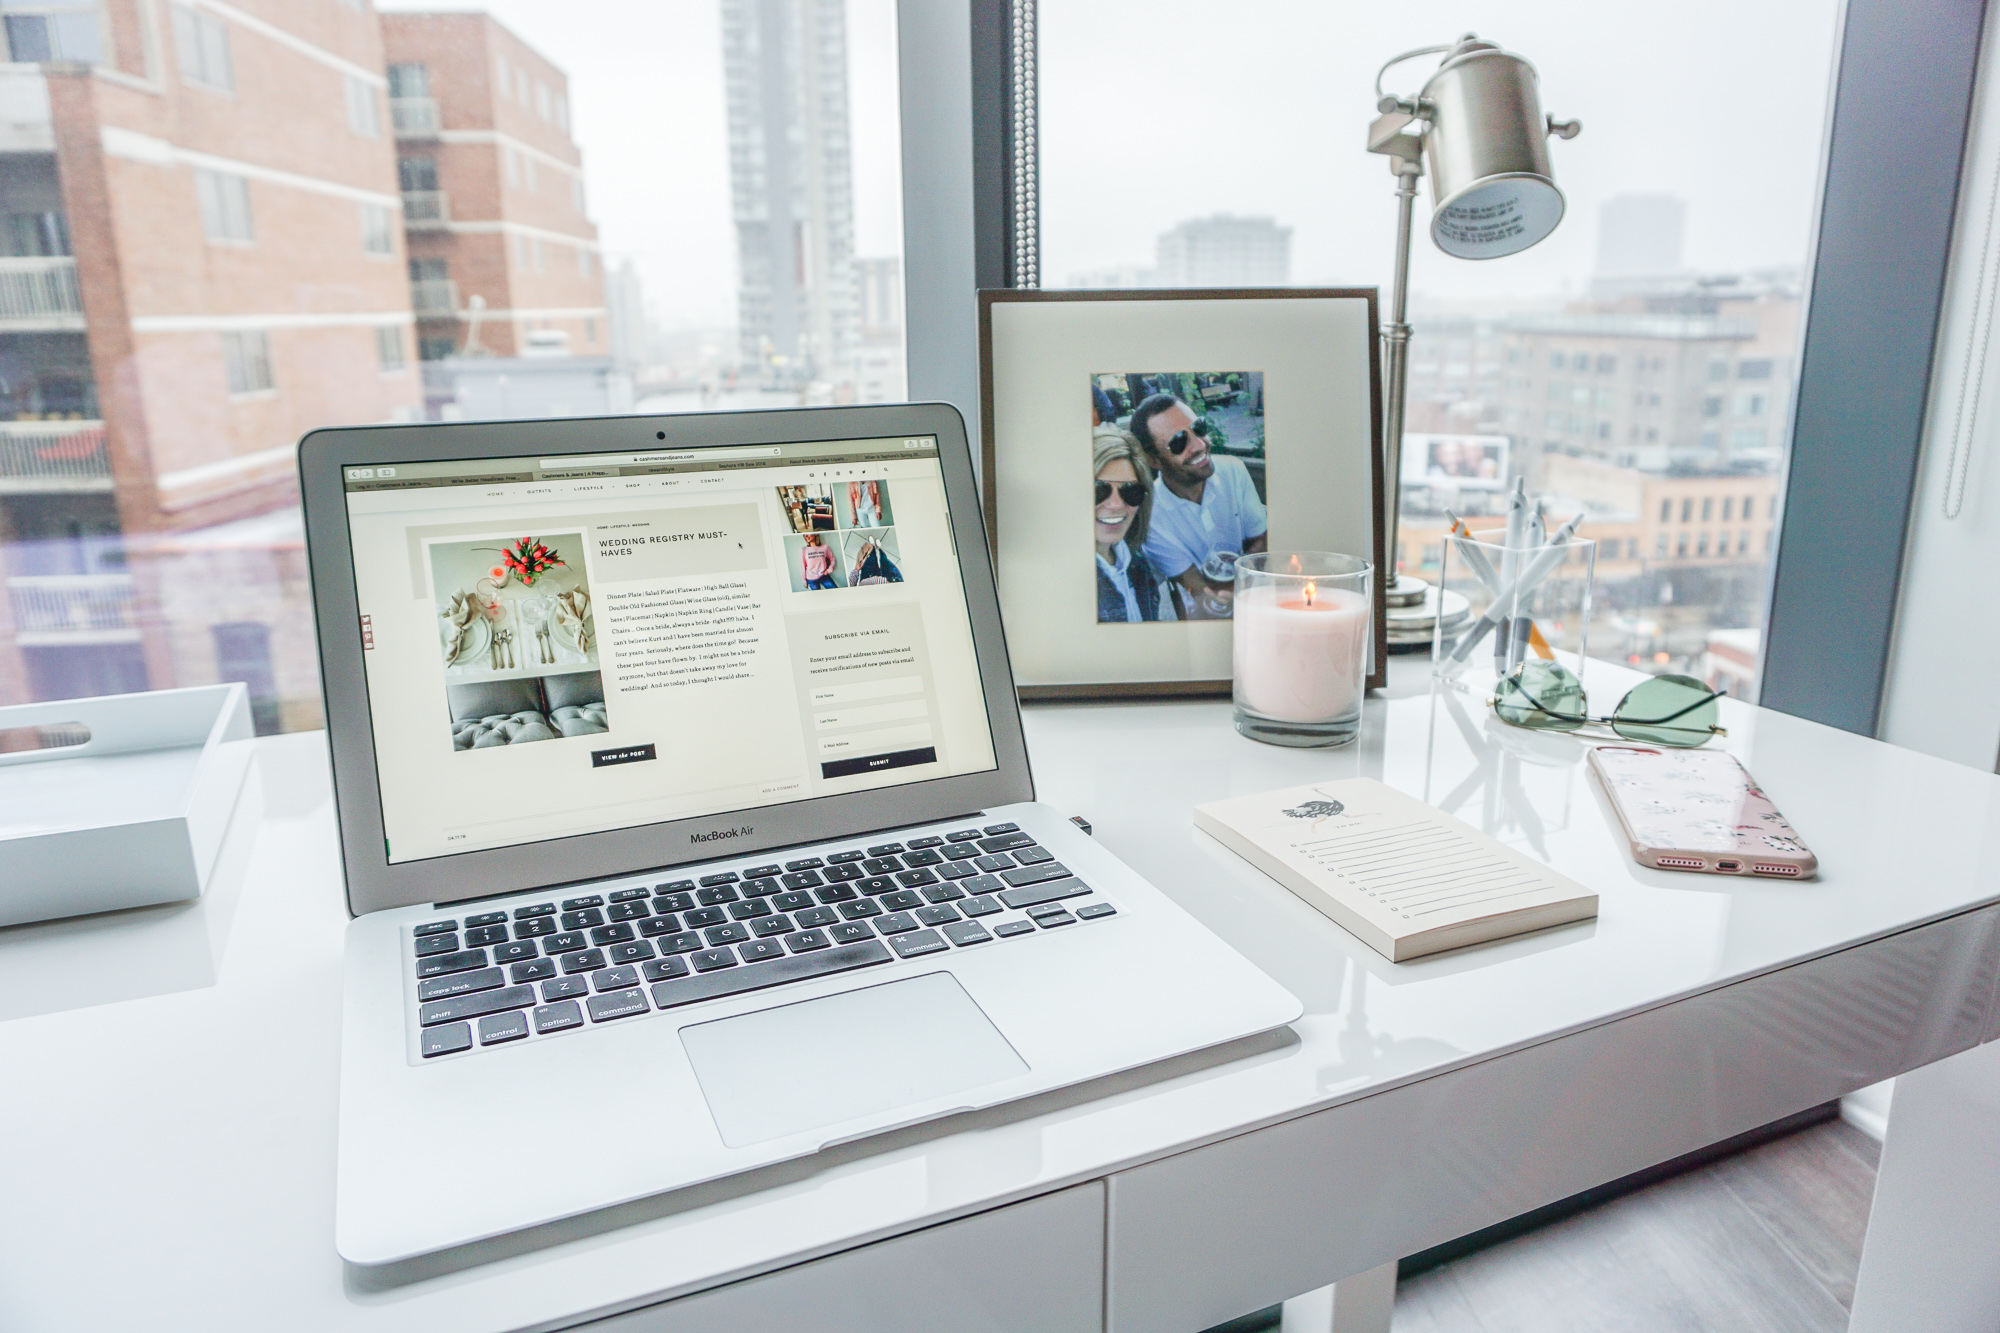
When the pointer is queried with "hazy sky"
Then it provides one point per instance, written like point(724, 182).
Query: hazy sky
point(1154, 111)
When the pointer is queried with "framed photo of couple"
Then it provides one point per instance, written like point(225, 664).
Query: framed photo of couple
point(1137, 443)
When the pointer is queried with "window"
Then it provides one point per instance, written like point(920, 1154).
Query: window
point(1631, 548)
point(33, 38)
point(378, 230)
point(246, 363)
point(1558, 391)
point(1711, 406)
point(521, 86)
point(1580, 395)
point(1747, 437)
point(1743, 542)
point(1666, 511)
point(36, 234)
point(1707, 508)
point(417, 174)
point(1718, 370)
point(1701, 546)
point(1751, 500)
point(1750, 405)
point(1607, 365)
point(1681, 548)
point(410, 79)
point(1754, 370)
point(1604, 400)
point(1555, 360)
point(1727, 501)
point(1687, 510)
point(364, 111)
point(512, 164)
point(1660, 545)
point(1555, 420)
point(433, 348)
point(562, 113)
point(1603, 430)
point(201, 49)
point(225, 206)
point(542, 107)
point(389, 349)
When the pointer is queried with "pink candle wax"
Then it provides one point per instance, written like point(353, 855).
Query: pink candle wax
point(1298, 660)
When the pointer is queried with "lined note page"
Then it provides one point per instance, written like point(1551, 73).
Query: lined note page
point(1405, 877)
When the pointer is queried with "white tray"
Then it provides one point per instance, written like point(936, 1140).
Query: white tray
point(133, 816)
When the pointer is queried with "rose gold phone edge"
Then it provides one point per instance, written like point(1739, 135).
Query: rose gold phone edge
point(1784, 865)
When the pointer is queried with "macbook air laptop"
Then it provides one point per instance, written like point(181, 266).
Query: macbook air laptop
point(686, 817)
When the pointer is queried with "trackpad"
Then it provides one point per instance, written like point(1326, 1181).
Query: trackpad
point(823, 1061)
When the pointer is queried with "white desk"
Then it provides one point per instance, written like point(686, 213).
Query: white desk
point(168, 1076)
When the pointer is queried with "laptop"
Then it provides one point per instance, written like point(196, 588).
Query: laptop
point(686, 817)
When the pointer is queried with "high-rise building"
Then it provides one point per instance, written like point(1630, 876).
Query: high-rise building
point(626, 315)
point(1225, 251)
point(202, 261)
point(503, 256)
point(1641, 234)
point(791, 185)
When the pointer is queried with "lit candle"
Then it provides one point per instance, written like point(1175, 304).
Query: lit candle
point(1300, 651)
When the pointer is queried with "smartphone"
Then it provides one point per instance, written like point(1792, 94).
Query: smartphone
point(1698, 810)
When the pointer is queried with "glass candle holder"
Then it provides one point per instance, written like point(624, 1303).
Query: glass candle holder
point(1300, 651)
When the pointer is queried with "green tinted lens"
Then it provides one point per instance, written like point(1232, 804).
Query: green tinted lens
point(1667, 710)
point(1541, 694)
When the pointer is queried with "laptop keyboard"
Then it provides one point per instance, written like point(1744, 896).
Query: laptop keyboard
point(494, 977)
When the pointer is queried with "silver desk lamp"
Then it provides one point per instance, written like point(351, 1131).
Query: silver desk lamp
point(1479, 122)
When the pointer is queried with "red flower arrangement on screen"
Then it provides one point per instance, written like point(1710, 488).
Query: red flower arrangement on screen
point(525, 559)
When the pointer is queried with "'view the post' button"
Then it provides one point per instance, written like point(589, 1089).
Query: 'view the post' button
point(624, 754)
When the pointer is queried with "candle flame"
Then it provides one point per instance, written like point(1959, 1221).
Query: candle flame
point(1309, 594)
point(1295, 564)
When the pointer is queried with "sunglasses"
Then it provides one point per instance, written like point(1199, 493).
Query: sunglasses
point(1674, 711)
point(1178, 444)
point(1133, 493)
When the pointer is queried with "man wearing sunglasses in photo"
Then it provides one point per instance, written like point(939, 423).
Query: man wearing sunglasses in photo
point(1203, 503)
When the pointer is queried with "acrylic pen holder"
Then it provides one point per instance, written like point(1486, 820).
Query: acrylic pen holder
point(1528, 602)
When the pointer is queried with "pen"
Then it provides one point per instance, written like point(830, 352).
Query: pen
point(1510, 561)
point(1537, 569)
point(1475, 559)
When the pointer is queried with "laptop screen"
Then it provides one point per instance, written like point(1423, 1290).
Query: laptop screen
point(566, 645)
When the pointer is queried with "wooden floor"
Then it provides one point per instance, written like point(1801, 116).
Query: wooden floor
point(1769, 1239)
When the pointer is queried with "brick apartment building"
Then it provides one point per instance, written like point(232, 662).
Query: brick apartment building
point(203, 260)
point(503, 257)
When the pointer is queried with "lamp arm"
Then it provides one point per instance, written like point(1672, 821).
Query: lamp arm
point(1396, 366)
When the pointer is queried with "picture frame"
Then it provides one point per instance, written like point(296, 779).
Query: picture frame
point(1303, 360)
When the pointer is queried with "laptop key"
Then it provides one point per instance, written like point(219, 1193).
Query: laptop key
point(958, 870)
point(474, 1006)
point(885, 849)
point(443, 964)
point(576, 904)
point(1044, 893)
point(882, 865)
point(623, 1004)
point(804, 879)
point(842, 858)
point(485, 919)
point(627, 896)
point(705, 916)
point(876, 884)
point(502, 1027)
point(1007, 928)
point(862, 907)
point(798, 967)
point(850, 932)
point(614, 978)
point(745, 911)
point(918, 944)
point(1032, 856)
point(659, 925)
point(715, 897)
point(435, 928)
point(685, 942)
point(590, 916)
point(766, 926)
point(895, 923)
point(1056, 919)
point(944, 893)
point(567, 942)
point(816, 916)
point(805, 941)
point(617, 934)
point(676, 886)
point(963, 933)
point(756, 951)
point(921, 857)
point(841, 874)
point(638, 951)
point(709, 960)
point(838, 893)
point(993, 830)
point(792, 902)
point(1006, 842)
point(587, 961)
point(983, 884)
point(662, 969)
point(1095, 910)
point(515, 952)
point(902, 900)
point(538, 970)
point(485, 935)
point(761, 888)
point(539, 909)
point(430, 946)
point(958, 851)
point(1041, 910)
point(980, 905)
point(763, 872)
point(673, 902)
point(563, 988)
point(732, 933)
point(534, 928)
point(961, 835)
point(448, 1040)
point(919, 844)
point(1036, 874)
point(995, 862)
point(441, 988)
point(721, 877)
point(806, 863)
point(913, 879)
point(629, 911)
point(559, 1016)
point(936, 916)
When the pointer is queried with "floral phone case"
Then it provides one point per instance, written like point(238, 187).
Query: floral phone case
point(1698, 810)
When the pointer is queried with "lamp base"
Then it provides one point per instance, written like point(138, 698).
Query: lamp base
point(1414, 610)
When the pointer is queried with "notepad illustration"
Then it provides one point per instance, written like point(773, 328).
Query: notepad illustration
point(1404, 877)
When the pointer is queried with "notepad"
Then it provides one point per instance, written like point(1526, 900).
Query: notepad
point(1402, 876)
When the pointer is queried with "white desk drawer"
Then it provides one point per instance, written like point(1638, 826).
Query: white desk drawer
point(1205, 1235)
point(1033, 1267)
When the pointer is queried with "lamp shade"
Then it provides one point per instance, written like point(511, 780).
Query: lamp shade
point(1493, 191)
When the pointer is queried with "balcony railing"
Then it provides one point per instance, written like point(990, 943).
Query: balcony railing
point(53, 456)
point(434, 296)
point(425, 208)
point(40, 289)
point(414, 116)
point(72, 608)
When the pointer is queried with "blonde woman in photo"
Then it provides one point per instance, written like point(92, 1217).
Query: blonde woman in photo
point(1128, 588)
